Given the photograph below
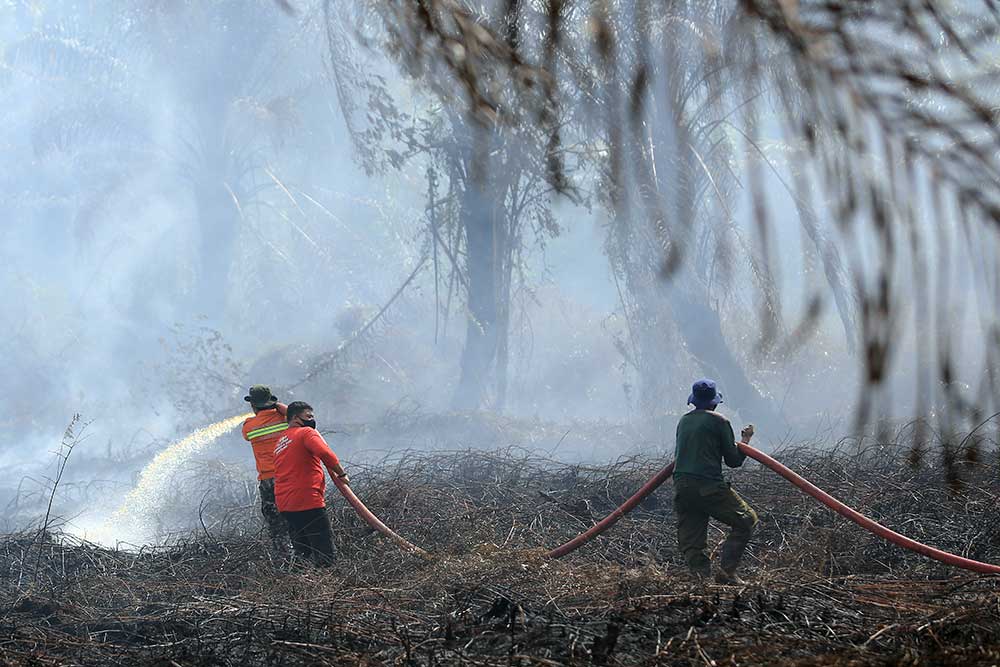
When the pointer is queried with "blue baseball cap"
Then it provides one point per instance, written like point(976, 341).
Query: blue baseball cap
point(704, 395)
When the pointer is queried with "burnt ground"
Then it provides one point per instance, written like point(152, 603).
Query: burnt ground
point(819, 590)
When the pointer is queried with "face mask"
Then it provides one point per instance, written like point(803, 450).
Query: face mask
point(308, 423)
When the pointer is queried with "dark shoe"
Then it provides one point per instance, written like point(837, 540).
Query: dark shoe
point(728, 578)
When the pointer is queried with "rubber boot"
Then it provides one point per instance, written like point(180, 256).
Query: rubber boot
point(728, 578)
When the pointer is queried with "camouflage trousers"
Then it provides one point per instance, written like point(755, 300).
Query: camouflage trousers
point(695, 502)
point(277, 529)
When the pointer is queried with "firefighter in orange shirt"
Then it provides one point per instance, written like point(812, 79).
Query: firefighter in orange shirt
point(262, 432)
point(300, 484)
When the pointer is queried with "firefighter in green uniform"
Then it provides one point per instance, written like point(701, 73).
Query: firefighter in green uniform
point(704, 440)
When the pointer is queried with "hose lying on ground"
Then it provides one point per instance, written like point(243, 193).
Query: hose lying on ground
point(612, 519)
point(803, 484)
point(375, 522)
point(863, 521)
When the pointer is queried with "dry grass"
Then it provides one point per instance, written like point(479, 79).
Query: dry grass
point(821, 592)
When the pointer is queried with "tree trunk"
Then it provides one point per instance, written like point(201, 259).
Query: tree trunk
point(479, 222)
point(701, 328)
point(218, 226)
point(650, 326)
point(672, 177)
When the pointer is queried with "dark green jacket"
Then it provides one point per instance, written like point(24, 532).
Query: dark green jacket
point(704, 440)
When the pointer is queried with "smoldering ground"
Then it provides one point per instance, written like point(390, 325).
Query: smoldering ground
point(205, 196)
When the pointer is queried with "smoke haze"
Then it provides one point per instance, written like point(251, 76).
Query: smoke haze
point(204, 196)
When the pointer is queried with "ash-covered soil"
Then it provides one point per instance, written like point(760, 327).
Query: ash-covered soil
point(819, 591)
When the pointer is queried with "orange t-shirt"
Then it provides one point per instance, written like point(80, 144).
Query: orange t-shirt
point(299, 481)
point(262, 432)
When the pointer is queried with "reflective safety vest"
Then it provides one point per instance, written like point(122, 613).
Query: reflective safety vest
point(262, 432)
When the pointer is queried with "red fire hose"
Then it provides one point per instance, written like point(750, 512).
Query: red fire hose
point(375, 522)
point(612, 518)
point(863, 521)
point(804, 485)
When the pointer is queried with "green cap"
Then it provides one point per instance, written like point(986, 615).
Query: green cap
point(261, 397)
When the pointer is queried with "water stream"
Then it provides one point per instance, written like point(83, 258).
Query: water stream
point(134, 521)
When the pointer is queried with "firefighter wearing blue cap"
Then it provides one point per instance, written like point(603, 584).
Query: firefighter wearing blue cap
point(705, 439)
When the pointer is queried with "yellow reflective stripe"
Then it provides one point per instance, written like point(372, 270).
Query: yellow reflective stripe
point(267, 430)
point(260, 434)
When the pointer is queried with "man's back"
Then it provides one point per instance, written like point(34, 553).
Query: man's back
point(704, 439)
point(262, 432)
point(299, 456)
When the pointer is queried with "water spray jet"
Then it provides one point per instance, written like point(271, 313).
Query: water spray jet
point(155, 477)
